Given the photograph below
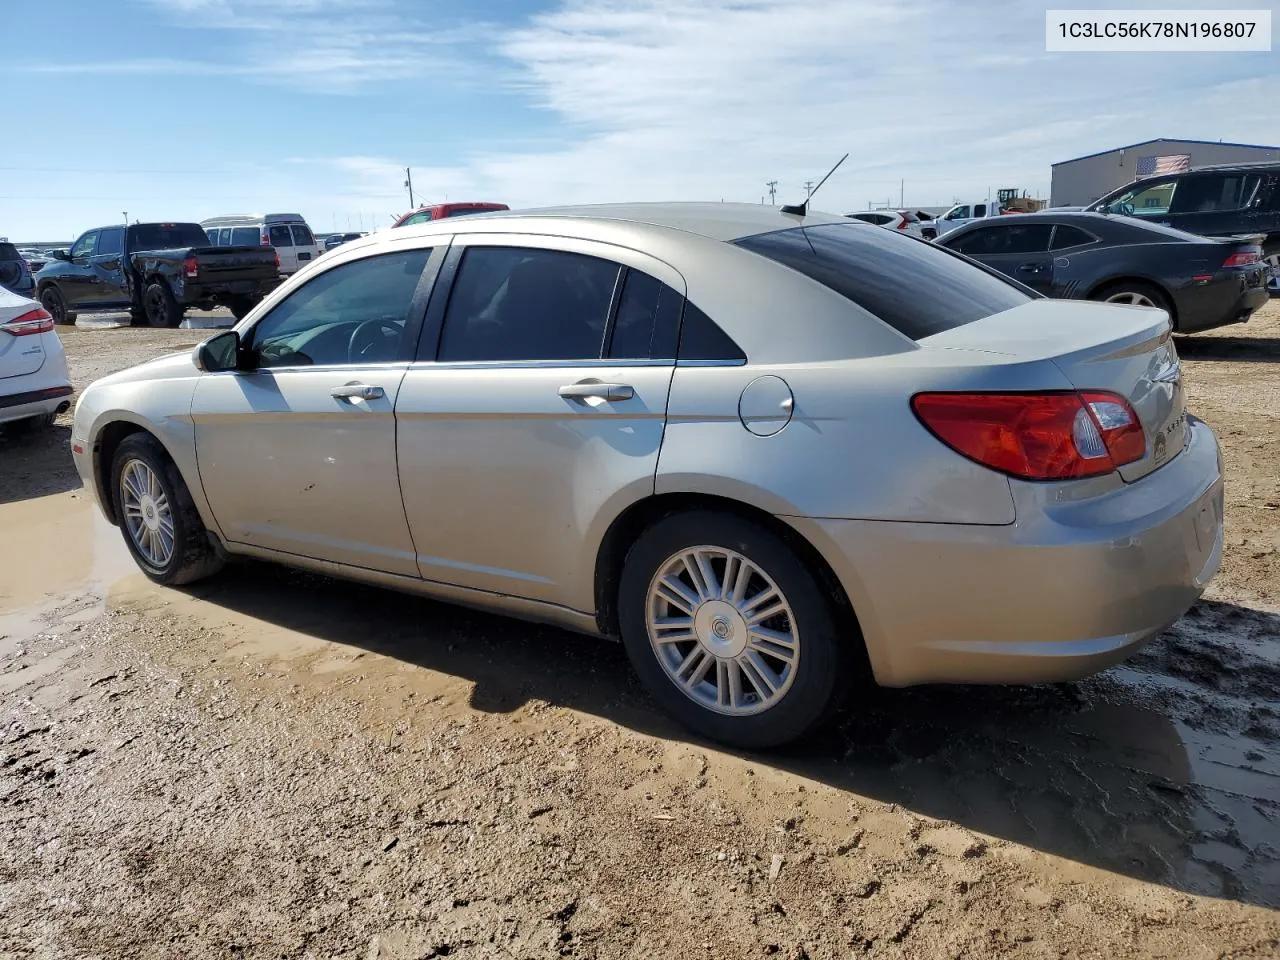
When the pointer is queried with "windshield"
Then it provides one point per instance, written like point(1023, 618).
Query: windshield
point(166, 236)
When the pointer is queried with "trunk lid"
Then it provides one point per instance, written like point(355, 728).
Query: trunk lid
point(19, 356)
point(1124, 349)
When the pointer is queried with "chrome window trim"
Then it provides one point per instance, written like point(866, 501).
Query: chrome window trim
point(547, 364)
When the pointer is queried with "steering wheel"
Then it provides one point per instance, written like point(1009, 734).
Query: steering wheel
point(1125, 209)
point(370, 337)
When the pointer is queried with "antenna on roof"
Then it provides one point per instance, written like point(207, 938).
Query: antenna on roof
point(801, 209)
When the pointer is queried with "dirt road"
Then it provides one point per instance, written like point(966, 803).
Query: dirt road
point(274, 765)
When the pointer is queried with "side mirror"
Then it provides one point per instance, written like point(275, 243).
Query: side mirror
point(221, 352)
point(61, 255)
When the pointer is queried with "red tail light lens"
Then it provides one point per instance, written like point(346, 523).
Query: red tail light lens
point(25, 324)
point(902, 225)
point(266, 240)
point(277, 259)
point(191, 266)
point(1243, 258)
point(1037, 436)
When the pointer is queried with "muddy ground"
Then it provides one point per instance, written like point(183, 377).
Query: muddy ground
point(272, 764)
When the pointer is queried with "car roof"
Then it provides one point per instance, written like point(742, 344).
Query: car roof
point(715, 221)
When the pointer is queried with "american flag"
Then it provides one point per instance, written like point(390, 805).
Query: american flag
point(1156, 166)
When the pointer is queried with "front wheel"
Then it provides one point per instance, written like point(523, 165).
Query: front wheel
point(159, 305)
point(157, 516)
point(729, 631)
point(54, 304)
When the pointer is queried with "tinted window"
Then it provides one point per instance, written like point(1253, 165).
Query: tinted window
point(648, 316)
point(422, 216)
point(245, 236)
point(166, 236)
point(979, 209)
point(1066, 236)
point(224, 237)
point(355, 313)
point(702, 339)
point(9, 252)
point(959, 213)
point(110, 240)
point(302, 235)
point(876, 218)
point(280, 235)
point(1215, 193)
point(85, 246)
point(512, 303)
point(915, 287)
point(1005, 238)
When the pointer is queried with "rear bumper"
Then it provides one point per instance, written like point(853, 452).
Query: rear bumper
point(1070, 588)
point(193, 291)
point(33, 403)
point(1236, 307)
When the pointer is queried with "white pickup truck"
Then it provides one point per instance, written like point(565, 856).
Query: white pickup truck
point(963, 213)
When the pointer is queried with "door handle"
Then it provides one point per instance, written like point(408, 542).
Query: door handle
point(1030, 267)
point(357, 391)
point(602, 391)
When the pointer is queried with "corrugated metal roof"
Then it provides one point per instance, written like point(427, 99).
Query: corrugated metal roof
point(1143, 143)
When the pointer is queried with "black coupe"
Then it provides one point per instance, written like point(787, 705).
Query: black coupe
point(1201, 282)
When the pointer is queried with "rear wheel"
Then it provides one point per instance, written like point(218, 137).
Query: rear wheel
point(1134, 293)
point(158, 519)
point(729, 631)
point(55, 306)
point(159, 305)
point(240, 306)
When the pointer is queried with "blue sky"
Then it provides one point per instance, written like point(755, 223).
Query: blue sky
point(182, 109)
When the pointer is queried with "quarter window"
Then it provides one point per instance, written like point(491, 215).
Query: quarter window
point(514, 303)
point(701, 338)
point(354, 313)
point(1066, 237)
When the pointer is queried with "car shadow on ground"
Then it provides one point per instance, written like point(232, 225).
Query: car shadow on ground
point(1143, 771)
point(1250, 349)
point(35, 462)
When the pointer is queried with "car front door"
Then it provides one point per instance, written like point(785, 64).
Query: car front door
point(299, 455)
point(539, 416)
point(110, 289)
point(78, 282)
point(1022, 252)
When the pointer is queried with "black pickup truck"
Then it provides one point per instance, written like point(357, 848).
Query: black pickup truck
point(158, 271)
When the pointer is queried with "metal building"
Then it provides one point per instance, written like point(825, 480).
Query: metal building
point(1082, 180)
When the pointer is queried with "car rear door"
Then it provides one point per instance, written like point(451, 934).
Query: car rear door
point(110, 287)
point(540, 414)
point(1215, 204)
point(298, 456)
point(282, 240)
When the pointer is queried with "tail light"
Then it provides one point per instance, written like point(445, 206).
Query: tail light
point(1037, 436)
point(266, 241)
point(191, 266)
point(25, 324)
point(277, 253)
point(902, 224)
point(1243, 258)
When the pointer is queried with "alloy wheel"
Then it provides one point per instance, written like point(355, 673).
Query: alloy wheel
point(147, 514)
point(722, 630)
point(1131, 298)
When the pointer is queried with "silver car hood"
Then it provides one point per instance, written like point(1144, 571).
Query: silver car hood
point(166, 367)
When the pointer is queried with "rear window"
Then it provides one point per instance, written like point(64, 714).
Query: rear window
point(242, 236)
point(914, 286)
point(9, 252)
point(422, 216)
point(166, 236)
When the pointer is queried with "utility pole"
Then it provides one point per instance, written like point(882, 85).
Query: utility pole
point(125, 214)
point(773, 189)
point(808, 188)
point(902, 192)
point(408, 182)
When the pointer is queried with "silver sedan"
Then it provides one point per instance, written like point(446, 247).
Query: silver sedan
point(768, 452)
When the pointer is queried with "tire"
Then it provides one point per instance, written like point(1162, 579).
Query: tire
point(56, 306)
point(240, 306)
point(29, 425)
point(1133, 292)
point(811, 688)
point(159, 305)
point(192, 555)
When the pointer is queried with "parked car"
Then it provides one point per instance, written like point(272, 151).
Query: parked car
point(34, 383)
point(157, 271)
point(907, 222)
point(587, 416)
point(963, 213)
point(439, 211)
point(1273, 283)
point(15, 272)
point(1220, 201)
point(338, 239)
point(288, 233)
point(1200, 282)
